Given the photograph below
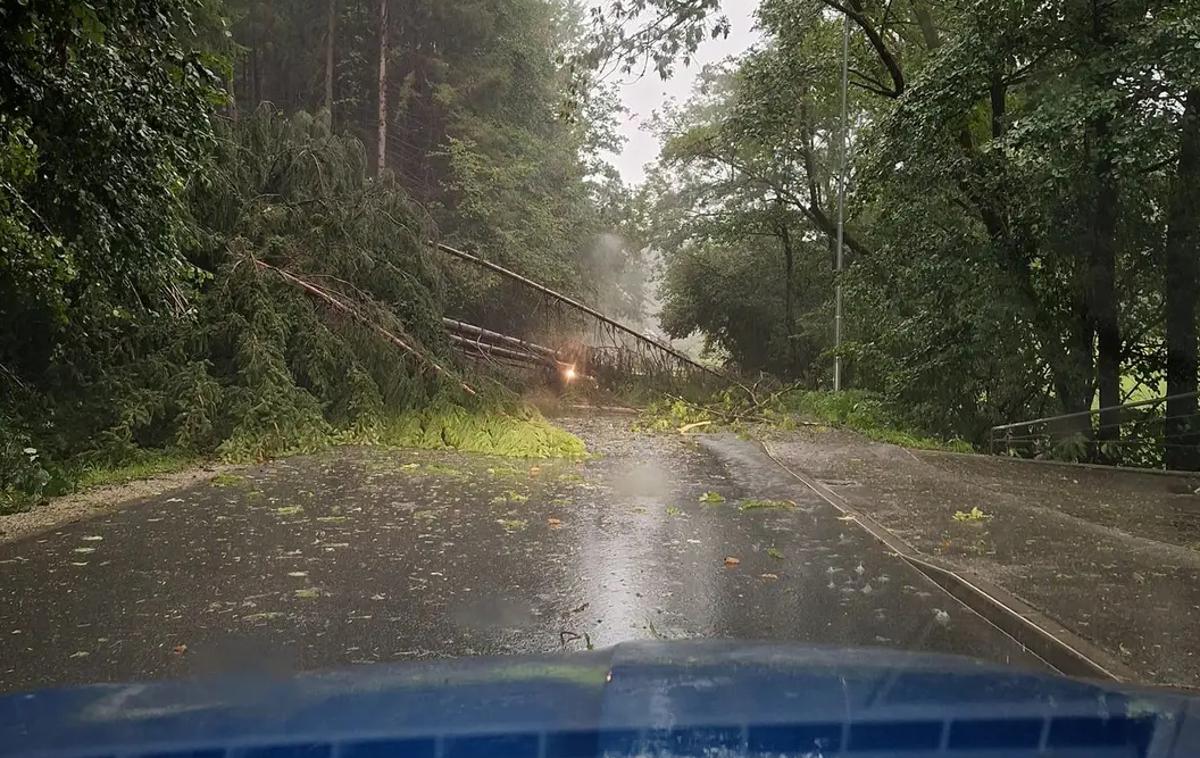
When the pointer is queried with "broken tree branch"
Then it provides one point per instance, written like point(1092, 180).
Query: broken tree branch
point(359, 316)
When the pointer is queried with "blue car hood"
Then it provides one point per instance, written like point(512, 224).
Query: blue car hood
point(680, 698)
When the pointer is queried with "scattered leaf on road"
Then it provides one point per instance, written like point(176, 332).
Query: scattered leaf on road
point(93, 538)
point(265, 616)
point(308, 593)
point(712, 497)
point(731, 561)
point(673, 511)
point(512, 524)
point(769, 576)
point(298, 574)
point(179, 649)
point(553, 522)
point(80, 654)
point(972, 515)
point(754, 504)
point(289, 510)
point(775, 553)
point(85, 550)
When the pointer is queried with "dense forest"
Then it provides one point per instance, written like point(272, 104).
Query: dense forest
point(1022, 204)
point(215, 214)
point(215, 219)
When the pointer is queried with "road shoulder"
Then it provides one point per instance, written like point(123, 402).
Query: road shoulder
point(1079, 549)
point(80, 506)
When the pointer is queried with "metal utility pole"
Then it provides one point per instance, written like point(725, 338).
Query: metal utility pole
point(841, 211)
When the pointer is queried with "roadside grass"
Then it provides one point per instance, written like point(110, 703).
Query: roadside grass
point(865, 413)
point(56, 481)
point(509, 430)
point(149, 463)
point(732, 410)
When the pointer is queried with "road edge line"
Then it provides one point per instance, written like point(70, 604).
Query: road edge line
point(1062, 464)
point(1046, 638)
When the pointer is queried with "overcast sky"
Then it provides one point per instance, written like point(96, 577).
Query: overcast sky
point(643, 96)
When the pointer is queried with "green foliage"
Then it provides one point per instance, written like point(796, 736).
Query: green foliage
point(106, 117)
point(254, 364)
point(665, 415)
point(144, 465)
point(1007, 201)
point(177, 284)
point(23, 477)
point(972, 516)
point(476, 129)
point(867, 414)
point(516, 431)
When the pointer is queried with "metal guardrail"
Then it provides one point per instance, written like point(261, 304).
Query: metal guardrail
point(1142, 434)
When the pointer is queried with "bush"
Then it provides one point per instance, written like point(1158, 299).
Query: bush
point(866, 413)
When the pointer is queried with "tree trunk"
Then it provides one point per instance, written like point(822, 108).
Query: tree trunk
point(789, 308)
point(1103, 290)
point(330, 35)
point(269, 57)
point(255, 77)
point(1181, 289)
point(1102, 236)
point(233, 103)
point(381, 153)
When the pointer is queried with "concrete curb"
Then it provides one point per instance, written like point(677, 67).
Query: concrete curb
point(1063, 464)
point(1046, 638)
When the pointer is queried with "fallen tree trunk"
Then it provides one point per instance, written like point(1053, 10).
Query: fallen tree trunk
point(470, 344)
point(462, 327)
point(578, 306)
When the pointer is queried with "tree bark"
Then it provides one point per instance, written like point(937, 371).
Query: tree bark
point(1102, 241)
point(789, 308)
point(268, 55)
point(1181, 289)
point(233, 103)
point(330, 37)
point(854, 10)
point(381, 152)
point(925, 21)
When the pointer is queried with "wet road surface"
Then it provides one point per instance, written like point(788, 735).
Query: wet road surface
point(364, 555)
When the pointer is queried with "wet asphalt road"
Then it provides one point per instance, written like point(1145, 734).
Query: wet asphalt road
point(364, 555)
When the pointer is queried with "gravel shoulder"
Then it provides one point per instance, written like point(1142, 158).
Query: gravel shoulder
point(80, 506)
